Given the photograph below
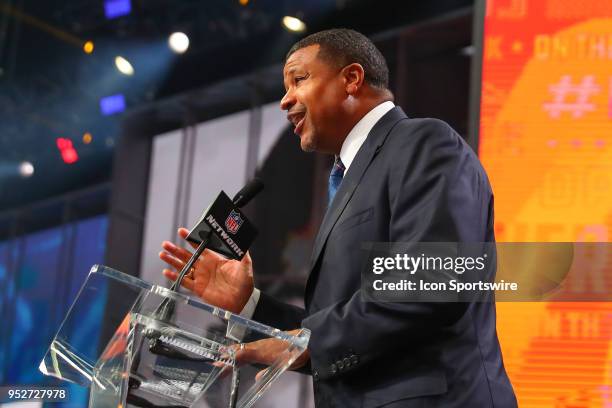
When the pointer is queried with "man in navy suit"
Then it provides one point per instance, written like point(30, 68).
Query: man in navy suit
point(394, 179)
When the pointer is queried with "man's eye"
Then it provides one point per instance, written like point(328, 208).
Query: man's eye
point(299, 79)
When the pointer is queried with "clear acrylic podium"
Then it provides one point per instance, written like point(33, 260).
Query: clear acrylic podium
point(167, 350)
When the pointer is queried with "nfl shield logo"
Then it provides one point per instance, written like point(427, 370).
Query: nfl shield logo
point(233, 222)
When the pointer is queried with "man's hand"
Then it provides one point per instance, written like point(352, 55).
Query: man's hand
point(222, 282)
point(267, 351)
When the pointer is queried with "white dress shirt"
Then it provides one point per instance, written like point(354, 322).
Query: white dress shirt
point(360, 132)
point(348, 151)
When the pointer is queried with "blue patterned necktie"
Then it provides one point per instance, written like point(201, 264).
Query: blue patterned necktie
point(335, 178)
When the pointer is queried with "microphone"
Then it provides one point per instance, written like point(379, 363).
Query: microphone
point(231, 238)
point(229, 232)
point(250, 190)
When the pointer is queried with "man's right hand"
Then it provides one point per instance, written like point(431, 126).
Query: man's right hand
point(219, 281)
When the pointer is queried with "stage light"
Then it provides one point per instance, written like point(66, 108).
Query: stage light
point(67, 151)
point(87, 138)
point(244, 2)
point(178, 42)
point(294, 24)
point(88, 47)
point(468, 51)
point(117, 8)
point(112, 104)
point(124, 66)
point(26, 169)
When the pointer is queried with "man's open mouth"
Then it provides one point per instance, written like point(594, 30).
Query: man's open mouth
point(297, 119)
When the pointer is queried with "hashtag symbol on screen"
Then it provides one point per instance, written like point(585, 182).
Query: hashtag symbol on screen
point(564, 90)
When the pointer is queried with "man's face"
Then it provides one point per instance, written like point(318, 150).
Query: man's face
point(314, 95)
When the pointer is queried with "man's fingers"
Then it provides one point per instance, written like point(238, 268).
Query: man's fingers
point(211, 256)
point(207, 255)
point(260, 374)
point(207, 259)
point(172, 275)
point(246, 260)
point(205, 262)
point(170, 260)
point(258, 352)
point(178, 252)
point(183, 232)
point(244, 356)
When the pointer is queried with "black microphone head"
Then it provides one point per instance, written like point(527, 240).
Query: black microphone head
point(249, 191)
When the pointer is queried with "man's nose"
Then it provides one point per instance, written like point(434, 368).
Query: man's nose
point(288, 101)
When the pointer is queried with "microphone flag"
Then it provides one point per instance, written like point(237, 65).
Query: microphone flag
point(231, 232)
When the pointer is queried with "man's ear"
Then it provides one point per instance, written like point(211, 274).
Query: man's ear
point(354, 76)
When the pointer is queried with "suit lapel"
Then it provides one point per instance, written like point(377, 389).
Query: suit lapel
point(351, 180)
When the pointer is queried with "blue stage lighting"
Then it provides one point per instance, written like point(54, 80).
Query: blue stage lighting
point(117, 8)
point(112, 104)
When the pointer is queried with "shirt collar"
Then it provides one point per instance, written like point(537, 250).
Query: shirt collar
point(360, 132)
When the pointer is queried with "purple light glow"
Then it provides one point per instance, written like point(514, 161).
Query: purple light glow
point(112, 104)
point(117, 8)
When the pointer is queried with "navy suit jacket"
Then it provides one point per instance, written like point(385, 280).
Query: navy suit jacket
point(413, 180)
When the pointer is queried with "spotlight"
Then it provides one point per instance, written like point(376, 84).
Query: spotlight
point(294, 24)
point(67, 150)
point(243, 2)
point(88, 47)
point(178, 42)
point(124, 66)
point(117, 8)
point(26, 169)
point(87, 138)
point(112, 104)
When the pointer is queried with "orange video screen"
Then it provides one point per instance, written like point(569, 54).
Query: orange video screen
point(545, 139)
